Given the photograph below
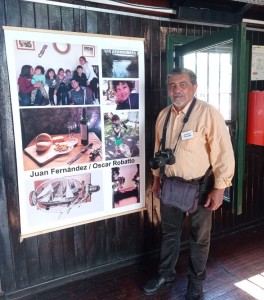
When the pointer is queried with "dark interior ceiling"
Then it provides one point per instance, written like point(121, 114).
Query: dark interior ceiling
point(208, 11)
point(229, 11)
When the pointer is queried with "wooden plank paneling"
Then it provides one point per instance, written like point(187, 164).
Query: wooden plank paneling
point(2, 13)
point(103, 24)
point(68, 250)
point(87, 248)
point(56, 248)
point(100, 246)
point(45, 258)
point(13, 14)
point(67, 19)
point(6, 262)
point(79, 20)
point(79, 247)
point(9, 169)
point(27, 11)
point(91, 21)
point(32, 250)
point(54, 17)
point(114, 24)
point(90, 246)
point(126, 25)
point(41, 10)
point(111, 249)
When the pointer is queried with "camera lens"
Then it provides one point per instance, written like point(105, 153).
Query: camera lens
point(157, 162)
point(153, 164)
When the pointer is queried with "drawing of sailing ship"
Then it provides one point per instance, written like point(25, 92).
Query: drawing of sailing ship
point(62, 192)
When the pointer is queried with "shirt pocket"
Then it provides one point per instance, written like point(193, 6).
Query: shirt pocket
point(193, 144)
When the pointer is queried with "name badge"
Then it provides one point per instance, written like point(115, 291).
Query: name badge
point(186, 135)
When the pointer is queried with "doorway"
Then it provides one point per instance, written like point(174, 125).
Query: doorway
point(220, 61)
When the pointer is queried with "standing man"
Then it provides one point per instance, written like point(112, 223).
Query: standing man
point(202, 142)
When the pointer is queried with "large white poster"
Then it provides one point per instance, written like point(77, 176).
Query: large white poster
point(78, 112)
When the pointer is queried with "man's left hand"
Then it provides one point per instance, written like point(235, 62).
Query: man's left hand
point(214, 199)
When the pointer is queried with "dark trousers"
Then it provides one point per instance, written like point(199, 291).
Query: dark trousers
point(93, 86)
point(200, 234)
point(25, 99)
point(51, 96)
point(62, 95)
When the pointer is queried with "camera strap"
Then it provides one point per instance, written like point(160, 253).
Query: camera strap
point(185, 120)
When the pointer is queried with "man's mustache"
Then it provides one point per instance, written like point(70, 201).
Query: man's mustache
point(177, 95)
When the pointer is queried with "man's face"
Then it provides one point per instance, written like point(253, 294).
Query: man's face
point(75, 84)
point(122, 92)
point(180, 90)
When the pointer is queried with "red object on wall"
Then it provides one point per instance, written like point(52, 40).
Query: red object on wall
point(255, 129)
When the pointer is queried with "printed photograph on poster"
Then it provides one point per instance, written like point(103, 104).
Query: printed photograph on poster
point(62, 193)
point(25, 45)
point(121, 131)
point(56, 74)
point(64, 197)
point(52, 137)
point(122, 94)
point(117, 63)
point(125, 185)
point(88, 50)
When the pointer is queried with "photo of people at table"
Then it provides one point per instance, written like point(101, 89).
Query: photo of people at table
point(52, 137)
point(47, 76)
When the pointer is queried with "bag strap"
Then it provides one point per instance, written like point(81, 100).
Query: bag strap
point(208, 171)
point(203, 184)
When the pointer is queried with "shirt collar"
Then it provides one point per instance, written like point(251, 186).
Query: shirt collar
point(183, 111)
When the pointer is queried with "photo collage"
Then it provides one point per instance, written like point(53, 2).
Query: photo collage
point(81, 117)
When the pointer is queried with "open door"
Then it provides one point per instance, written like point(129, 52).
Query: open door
point(220, 61)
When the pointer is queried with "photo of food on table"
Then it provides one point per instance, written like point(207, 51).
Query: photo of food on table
point(55, 137)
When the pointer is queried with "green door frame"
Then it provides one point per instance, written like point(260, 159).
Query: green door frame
point(240, 77)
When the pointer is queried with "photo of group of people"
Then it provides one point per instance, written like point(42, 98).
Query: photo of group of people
point(64, 87)
point(60, 87)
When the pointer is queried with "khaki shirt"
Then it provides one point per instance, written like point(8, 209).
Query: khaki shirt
point(210, 145)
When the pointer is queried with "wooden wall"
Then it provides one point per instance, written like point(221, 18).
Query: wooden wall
point(51, 259)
